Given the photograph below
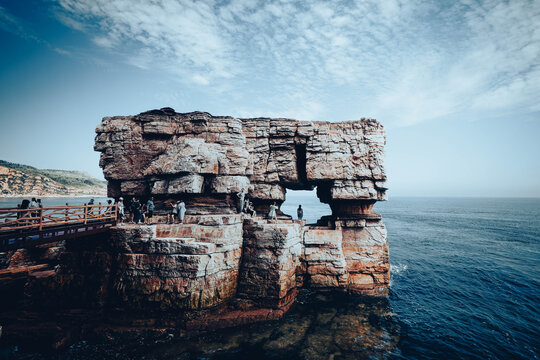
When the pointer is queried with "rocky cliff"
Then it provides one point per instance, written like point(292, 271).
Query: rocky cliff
point(220, 256)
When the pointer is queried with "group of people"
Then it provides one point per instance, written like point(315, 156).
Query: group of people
point(138, 212)
point(177, 213)
point(142, 213)
point(27, 204)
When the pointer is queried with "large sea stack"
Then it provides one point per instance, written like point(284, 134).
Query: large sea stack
point(221, 257)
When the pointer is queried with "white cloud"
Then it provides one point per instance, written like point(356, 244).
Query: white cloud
point(404, 61)
point(199, 79)
point(103, 41)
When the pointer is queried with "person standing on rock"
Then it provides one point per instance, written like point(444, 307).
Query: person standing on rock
point(121, 209)
point(149, 210)
point(250, 209)
point(241, 196)
point(181, 208)
point(136, 209)
point(246, 205)
point(272, 214)
point(300, 212)
point(171, 217)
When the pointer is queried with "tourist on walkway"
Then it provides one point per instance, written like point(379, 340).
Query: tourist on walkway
point(136, 210)
point(241, 196)
point(90, 208)
point(300, 212)
point(142, 209)
point(181, 208)
point(66, 213)
point(121, 209)
point(272, 213)
point(173, 215)
point(25, 204)
point(34, 204)
point(109, 209)
point(149, 210)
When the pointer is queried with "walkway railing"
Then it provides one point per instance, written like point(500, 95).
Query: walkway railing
point(53, 220)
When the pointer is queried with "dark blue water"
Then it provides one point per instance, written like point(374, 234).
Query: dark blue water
point(464, 285)
point(465, 276)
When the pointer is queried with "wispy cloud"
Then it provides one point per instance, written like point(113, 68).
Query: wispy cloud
point(406, 61)
point(14, 25)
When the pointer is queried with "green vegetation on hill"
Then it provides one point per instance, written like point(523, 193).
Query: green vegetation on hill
point(65, 177)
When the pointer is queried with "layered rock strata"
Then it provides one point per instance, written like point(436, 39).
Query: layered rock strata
point(220, 257)
point(205, 159)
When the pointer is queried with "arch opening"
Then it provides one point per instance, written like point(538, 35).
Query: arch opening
point(313, 208)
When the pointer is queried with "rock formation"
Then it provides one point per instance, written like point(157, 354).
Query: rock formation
point(219, 267)
point(206, 159)
point(217, 255)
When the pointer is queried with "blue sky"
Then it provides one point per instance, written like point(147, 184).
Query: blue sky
point(456, 83)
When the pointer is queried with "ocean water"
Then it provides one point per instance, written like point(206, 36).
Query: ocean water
point(465, 284)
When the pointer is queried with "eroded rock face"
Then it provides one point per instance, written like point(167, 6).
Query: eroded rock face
point(219, 257)
point(213, 260)
point(162, 152)
point(178, 267)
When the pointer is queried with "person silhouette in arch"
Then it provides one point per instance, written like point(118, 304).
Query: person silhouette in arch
point(272, 213)
point(300, 212)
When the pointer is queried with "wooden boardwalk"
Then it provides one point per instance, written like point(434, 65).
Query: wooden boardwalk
point(29, 227)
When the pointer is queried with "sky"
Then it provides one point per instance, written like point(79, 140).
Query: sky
point(455, 83)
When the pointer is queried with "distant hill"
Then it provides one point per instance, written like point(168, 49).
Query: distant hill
point(24, 180)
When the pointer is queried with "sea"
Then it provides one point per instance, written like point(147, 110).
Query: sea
point(465, 284)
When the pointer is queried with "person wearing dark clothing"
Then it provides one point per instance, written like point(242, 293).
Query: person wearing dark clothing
point(25, 204)
point(300, 212)
point(136, 209)
point(34, 204)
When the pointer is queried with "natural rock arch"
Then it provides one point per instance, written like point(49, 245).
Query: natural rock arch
point(218, 255)
point(206, 160)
